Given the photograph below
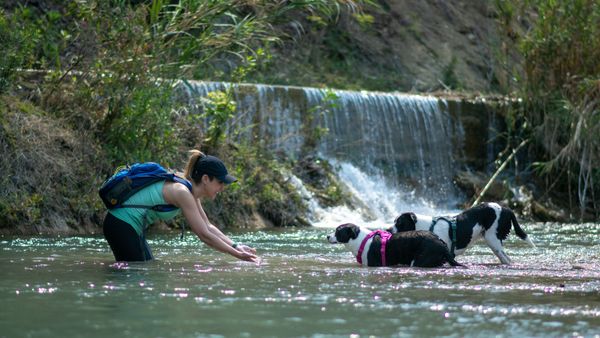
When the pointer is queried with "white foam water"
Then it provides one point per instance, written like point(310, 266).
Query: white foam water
point(377, 202)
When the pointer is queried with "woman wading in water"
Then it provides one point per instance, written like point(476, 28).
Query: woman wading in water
point(125, 228)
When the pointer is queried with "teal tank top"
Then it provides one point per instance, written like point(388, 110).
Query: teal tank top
point(141, 218)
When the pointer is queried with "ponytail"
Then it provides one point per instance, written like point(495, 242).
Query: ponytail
point(195, 155)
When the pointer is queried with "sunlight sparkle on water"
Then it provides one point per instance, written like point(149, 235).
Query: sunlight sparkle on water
point(307, 281)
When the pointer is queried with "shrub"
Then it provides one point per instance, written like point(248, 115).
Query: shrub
point(18, 38)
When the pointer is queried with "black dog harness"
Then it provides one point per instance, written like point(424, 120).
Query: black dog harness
point(452, 222)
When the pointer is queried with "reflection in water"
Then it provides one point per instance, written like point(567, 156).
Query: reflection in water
point(304, 287)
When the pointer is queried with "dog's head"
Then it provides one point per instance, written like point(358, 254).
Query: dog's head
point(344, 233)
point(405, 222)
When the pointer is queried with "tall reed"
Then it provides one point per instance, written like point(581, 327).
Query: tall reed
point(560, 45)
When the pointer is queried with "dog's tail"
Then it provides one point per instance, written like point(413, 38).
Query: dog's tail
point(519, 231)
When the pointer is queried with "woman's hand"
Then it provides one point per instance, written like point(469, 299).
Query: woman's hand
point(245, 248)
point(181, 197)
point(247, 256)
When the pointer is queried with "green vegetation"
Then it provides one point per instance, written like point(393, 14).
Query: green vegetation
point(450, 79)
point(98, 92)
point(103, 73)
point(561, 91)
point(16, 30)
point(313, 131)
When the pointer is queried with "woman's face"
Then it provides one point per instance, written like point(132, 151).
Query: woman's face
point(212, 187)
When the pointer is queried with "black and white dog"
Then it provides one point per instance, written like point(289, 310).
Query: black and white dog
point(486, 220)
point(381, 248)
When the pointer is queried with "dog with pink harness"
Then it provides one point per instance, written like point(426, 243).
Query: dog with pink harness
point(381, 248)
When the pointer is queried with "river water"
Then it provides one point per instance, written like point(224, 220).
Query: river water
point(304, 287)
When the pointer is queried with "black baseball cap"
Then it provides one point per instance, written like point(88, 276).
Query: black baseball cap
point(213, 166)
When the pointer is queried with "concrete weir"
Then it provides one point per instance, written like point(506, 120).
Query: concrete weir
point(418, 141)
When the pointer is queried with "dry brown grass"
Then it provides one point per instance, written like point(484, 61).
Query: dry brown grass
point(49, 173)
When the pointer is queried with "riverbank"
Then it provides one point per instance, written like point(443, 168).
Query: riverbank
point(54, 171)
point(96, 103)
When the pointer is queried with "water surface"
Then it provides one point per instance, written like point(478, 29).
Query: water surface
point(304, 287)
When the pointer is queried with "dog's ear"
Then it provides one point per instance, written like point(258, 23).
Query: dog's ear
point(355, 232)
point(397, 223)
point(413, 217)
point(345, 232)
point(405, 222)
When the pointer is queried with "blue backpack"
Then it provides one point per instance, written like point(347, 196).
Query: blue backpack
point(130, 179)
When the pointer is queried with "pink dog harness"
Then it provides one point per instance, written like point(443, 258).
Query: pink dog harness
point(384, 238)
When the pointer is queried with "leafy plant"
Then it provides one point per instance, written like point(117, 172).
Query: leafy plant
point(218, 109)
point(110, 67)
point(364, 20)
point(145, 127)
point(561, 87)
point(312, 129)
point(449, 75)
point(18, 38)
point(139, 44)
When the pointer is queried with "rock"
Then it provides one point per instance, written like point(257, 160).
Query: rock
point(260, 222)
point(545, 214)
point(472, 183)
point(310, 170)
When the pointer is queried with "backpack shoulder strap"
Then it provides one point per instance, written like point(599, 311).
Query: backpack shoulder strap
point(188, 184)
point(183, 181)
point(163, 207)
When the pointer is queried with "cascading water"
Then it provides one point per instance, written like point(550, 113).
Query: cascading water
point(394, 151)
point(383, 202)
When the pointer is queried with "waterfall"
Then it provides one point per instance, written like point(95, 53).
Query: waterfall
point(384, 202)
point(393, 150)
point(409, 138)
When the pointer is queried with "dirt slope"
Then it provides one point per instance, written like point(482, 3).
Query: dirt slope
point(410, 45)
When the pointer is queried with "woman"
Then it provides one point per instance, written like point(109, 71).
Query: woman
point(124, 228)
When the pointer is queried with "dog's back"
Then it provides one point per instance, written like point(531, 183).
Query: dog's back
point(487, 220)
point(418, 248)
point(488, 215)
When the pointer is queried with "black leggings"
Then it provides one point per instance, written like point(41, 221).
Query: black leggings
point(124, 242)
